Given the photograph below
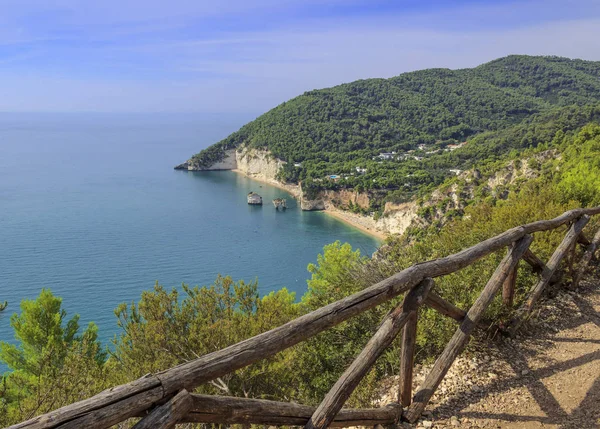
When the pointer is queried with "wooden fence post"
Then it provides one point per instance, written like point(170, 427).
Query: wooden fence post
point(508, 288)
point(119, 403)
point(438, 303)
point(551, 267)
point(586, 258)
point(536, 263)
point(460, 337)
point(391, 325)
point(582, 239)
point(407, 359)
point(167, 415)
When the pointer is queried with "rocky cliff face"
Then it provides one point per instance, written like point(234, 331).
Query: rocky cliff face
point(309, 205)
point(259, 164)
point(346, 197)
point(229, 162)
point(438, 208)
point(397, 218)
point(256, 164)
point(335, 200)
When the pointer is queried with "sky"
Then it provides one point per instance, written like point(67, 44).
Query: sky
point(242, 56)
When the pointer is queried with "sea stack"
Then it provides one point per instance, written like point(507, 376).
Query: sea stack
point(254, 199)
point(280, 203)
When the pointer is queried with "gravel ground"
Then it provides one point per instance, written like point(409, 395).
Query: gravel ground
point(546, 377)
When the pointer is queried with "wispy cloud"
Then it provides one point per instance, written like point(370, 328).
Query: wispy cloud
point(250, 56)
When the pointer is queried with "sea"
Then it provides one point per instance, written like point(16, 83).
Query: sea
point(91, 208)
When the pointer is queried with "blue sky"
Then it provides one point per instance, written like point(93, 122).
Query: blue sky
point(249, 56)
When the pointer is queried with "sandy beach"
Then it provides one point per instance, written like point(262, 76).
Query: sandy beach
point(356, 221)
point(292, 189)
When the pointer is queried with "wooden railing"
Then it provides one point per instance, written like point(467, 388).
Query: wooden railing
point(162, 400)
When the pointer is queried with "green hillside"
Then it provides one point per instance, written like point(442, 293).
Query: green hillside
point(335, 130)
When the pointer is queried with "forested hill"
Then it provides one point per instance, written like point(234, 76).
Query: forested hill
point(335, 130)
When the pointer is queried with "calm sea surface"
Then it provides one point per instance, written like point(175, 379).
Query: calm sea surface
point(91, 207)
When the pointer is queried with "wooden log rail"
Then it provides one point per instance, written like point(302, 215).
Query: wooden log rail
point(163, 400)
point(229, 410)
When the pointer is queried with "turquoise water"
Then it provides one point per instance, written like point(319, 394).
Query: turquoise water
point(91, 207)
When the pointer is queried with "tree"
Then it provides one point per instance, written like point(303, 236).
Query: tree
point(323, 358)
point(50, 365)
point(580, 178)
point(166, 329)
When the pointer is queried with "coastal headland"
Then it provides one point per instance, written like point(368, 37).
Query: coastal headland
point(263, 167)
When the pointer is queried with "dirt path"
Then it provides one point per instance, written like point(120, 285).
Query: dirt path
point(547, 378)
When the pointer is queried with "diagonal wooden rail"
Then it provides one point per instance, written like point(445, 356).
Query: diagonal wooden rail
point(162, 400)
point(462, 334)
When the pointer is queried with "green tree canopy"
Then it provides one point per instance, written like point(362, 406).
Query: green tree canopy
point(51, 364)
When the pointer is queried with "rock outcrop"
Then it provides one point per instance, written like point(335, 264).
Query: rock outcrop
point(254, 163)
point(229, 162)
point(397, 218)
point(254, 199)
point(260, 164)
point(308, 205)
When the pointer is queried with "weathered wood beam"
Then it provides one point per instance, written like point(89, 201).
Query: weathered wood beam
point(462, 334)
point(536, 263)
point(407, 359)
point(547, 274)
point(167, 415)
point(446, 308)
point(230, 410)
point(583, 240)
point(508, 288)
point(438, 303)
point(131, 399)
point(389, 329)
point(586, 258)
point(572, 253)
point(217, 364)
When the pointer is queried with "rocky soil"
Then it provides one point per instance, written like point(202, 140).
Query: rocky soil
point(547, 377)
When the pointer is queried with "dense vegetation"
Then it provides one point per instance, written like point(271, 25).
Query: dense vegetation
point(53, 364)
point(512, 109)
point(335, 130)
